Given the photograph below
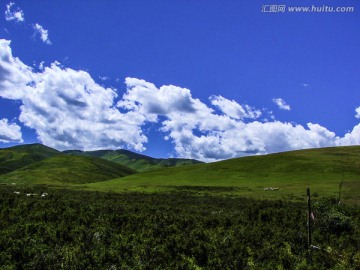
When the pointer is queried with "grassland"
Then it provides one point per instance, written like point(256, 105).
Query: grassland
point(323, 170)
point(66, 170)
point(329, 172)
point(16, 157)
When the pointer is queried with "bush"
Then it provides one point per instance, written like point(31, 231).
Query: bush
point(92, 230)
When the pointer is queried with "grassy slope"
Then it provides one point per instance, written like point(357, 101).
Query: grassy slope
point(13, 158)
point(133, 160)
point(67, 169)
point(320, 169)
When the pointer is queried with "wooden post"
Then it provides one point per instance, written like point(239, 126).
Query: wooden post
point(309, 218)
point(342, 180)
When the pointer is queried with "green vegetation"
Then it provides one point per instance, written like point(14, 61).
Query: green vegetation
point(244, 213)
point(133, 160)
point(320, 169)
point(16, 157)
point(70, 229)
point(64, 169)
point(329, 172)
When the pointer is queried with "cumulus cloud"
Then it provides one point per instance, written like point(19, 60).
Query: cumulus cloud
point(13, 13)
point(10, 132)
point(68, 109)
point(351, 138)
point(240, 139)
point(197, 131)
point(357, 110)
point(15, 76)
point(281, 104)
point(146, 99)
point(43, 33)
point(233, 109)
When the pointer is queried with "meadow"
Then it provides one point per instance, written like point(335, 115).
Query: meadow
point(329, 172)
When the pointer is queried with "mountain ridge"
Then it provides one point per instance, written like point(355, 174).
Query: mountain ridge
point(134, 160)
point(36, 152)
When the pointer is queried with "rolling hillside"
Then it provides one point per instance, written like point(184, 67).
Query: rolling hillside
point(39, 164)
point(16, 157)
point(291, 172)
point(66, 169)
point(133, 160)
point(327, 171)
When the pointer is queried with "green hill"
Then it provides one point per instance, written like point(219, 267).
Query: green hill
point(290, 173)
point(67, 169)
point(16, 157)
point(327, 171)
point(133, 160)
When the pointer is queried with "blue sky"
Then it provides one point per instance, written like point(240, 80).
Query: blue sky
point(197, 79)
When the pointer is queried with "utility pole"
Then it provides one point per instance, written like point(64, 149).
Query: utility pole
point(309, 218)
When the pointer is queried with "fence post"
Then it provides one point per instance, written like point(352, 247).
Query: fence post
point(309, 217)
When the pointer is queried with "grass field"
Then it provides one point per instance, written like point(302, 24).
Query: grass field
point(16, 157)
point(66, 170)
point(292, 172)
point(329, 172)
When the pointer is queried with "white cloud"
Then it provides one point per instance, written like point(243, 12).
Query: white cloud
point(234, 109)
point(357, 110)
point(198, 132)
point(39, 30)
point(42, 65)
point(68, 109)
point(306, 85)
point(15, 76)
point(351, 138)
point(144, 98)
point(281, 104)
point(9, 132)
point(240, 139)
point(13, 13)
